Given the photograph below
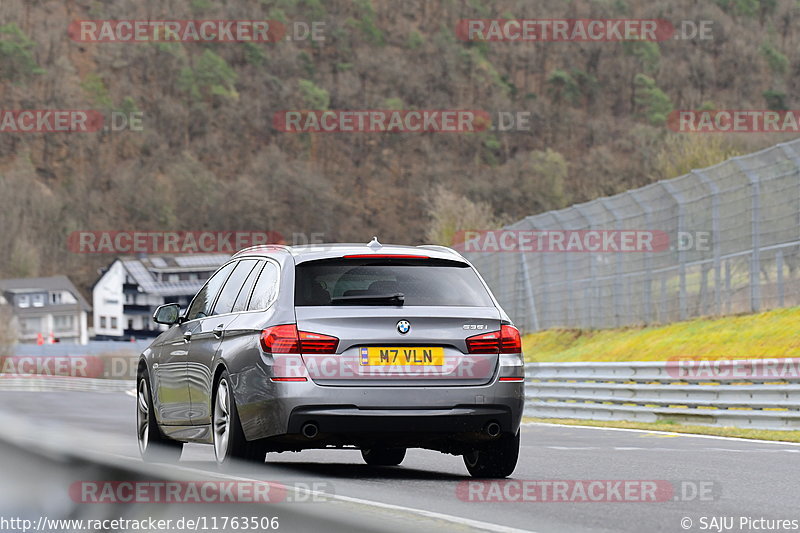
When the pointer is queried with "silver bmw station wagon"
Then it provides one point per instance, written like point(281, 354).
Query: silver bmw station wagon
point(377, 347)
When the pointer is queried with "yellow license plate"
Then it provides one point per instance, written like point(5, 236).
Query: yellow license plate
point(402, 355)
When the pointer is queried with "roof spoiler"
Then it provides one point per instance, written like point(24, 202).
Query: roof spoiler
point(440, 249)
point(262, 248)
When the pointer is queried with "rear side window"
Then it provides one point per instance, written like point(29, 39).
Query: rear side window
point(266, 288)
point(232, 287)
point(247, 288)
point(419, 281)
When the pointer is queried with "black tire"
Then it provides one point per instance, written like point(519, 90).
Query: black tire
point(383, 456)
point(153, 445)
point(498, 459)
point(225, 421)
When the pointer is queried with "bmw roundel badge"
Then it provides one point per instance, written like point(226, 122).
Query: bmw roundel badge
point(403, 327)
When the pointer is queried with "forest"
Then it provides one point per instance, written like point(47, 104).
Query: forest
point(208, 155)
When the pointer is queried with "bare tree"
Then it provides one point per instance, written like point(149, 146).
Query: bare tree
point(8, 329)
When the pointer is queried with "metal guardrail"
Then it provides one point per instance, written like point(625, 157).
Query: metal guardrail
point(759, 393)
point(34, 383)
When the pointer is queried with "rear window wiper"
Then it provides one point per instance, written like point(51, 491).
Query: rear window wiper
point(370, 299)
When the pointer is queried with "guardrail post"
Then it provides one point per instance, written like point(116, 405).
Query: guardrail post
point(679, 202)
point(755, 224)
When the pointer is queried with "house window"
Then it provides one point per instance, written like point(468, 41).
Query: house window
point(38, 300)
point(174, 277)
point(23, 301)
point(113, 322)
point(62, 323)
point(130, 299)
point(102, 322)
point(31, 325)
point(130, 323)
point(55, 298)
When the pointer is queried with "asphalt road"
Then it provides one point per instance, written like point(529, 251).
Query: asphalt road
point(710, 477)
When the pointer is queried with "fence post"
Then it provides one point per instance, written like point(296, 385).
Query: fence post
point(792, 154)
point(679, 202)
point(617, 267)
point(779, 268)
point(569, 257)
point(713, 188)
point(648, 259)
point(542, 281)
point(529, 291)
point(755, 224)
point(728, 286)
point(593, 294)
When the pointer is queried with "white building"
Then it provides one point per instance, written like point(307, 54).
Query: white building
point(130, 289)
point(46, 308)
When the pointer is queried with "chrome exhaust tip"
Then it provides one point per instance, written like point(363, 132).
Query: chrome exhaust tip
point(310, 430)
point(492, 429)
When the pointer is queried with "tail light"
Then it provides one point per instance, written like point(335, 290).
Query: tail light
point(317, 343)
point(484, 343)
point(507, 340)
point(286, 339)
point(510, 341)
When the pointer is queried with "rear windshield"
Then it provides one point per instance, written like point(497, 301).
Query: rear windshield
point(365, 281)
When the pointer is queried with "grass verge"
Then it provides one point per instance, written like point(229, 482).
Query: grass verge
point(742, 433)
point(770, 334)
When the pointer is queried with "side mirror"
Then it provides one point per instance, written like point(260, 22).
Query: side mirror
point(168, 314)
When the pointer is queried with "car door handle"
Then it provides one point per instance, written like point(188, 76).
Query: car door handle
point(218, 330)
point(187, 336)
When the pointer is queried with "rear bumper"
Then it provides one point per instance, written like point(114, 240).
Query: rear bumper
point(351, 420)
point(280, 409)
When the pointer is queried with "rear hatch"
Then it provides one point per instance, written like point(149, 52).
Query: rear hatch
point(399, 321)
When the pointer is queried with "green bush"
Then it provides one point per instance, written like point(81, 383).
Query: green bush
point(651, 101)
point(16, 54)
point(313, 96)
point(778, 63)
point(97, 91)
point(211, 76)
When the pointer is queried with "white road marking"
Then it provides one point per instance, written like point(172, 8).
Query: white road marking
point(671, 433)
point(475, 524)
